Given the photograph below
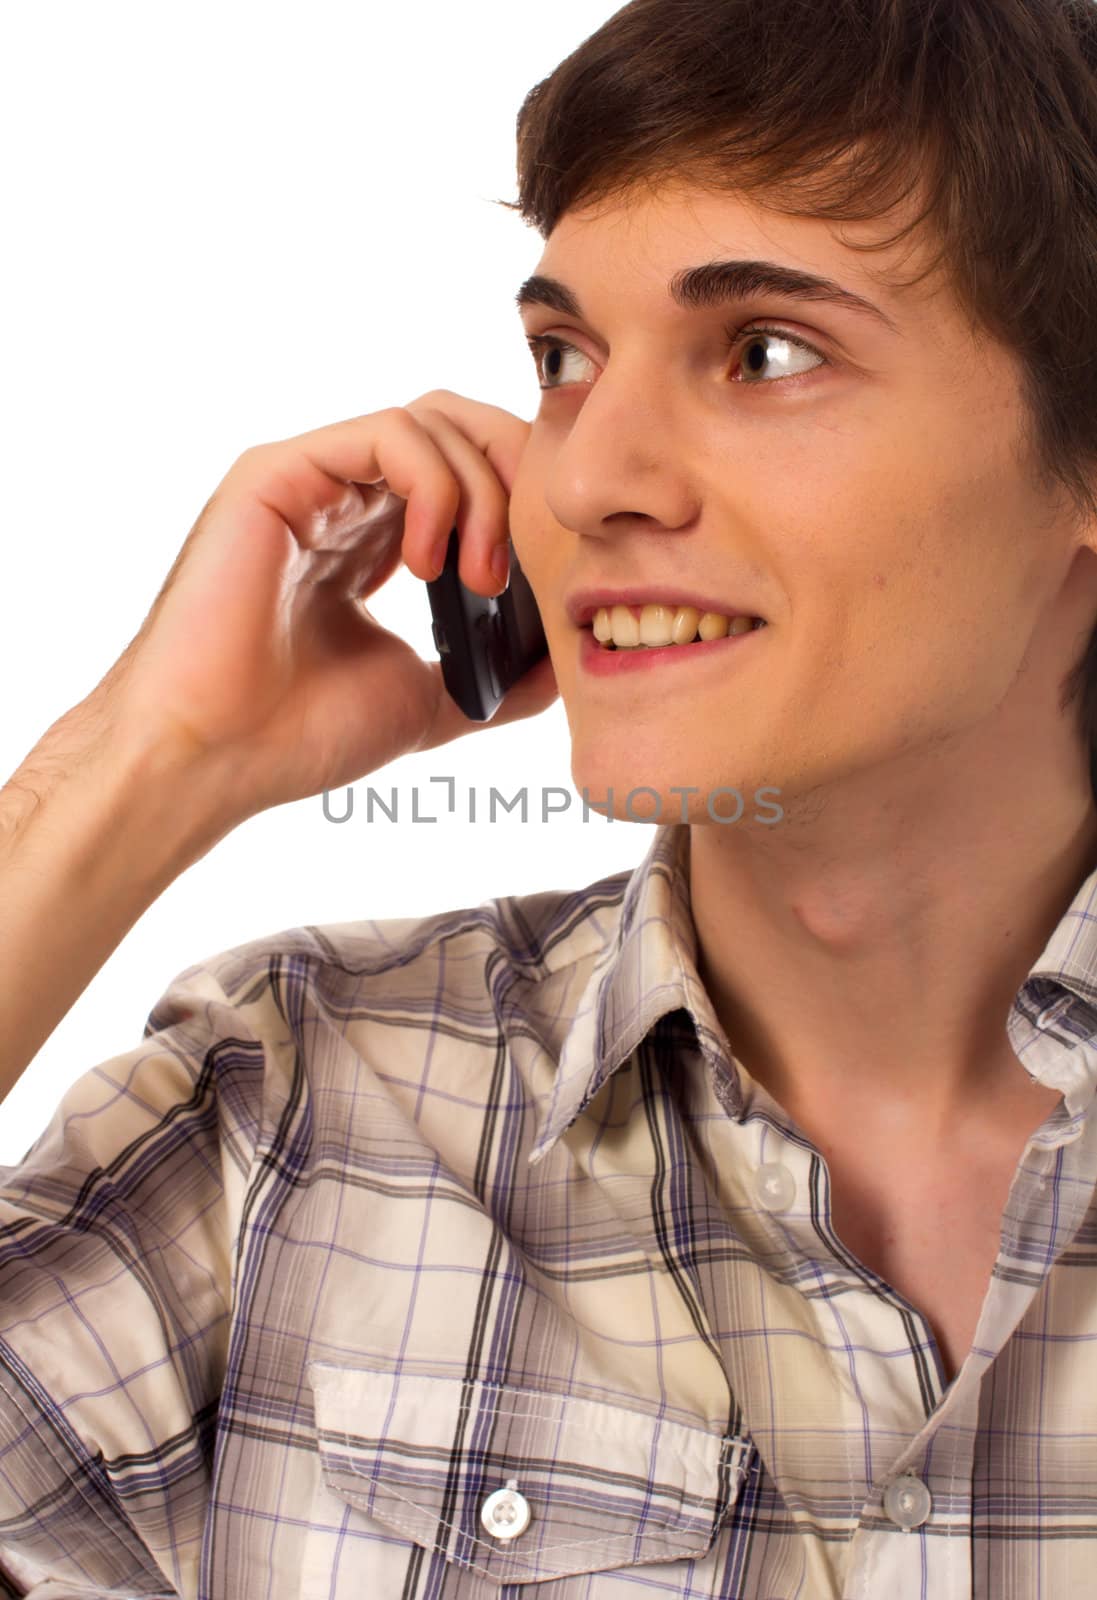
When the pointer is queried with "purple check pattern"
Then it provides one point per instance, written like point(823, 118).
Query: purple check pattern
point(380, 1217)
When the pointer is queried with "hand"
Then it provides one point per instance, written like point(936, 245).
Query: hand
point(259, 658)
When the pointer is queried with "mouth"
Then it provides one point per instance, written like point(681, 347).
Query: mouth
point(605, 658)
point(661, 626)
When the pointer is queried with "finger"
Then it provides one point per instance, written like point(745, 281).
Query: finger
point(334, 487)
point(482, 520)
point(497, 434)
point(424, 460)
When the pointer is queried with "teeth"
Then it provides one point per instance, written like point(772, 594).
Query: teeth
point(624, 628)
point(663, 625)
point(683, 627)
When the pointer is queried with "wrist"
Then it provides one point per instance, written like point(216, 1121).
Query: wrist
point(108, 797)
point(93, 828)
point(174, 804)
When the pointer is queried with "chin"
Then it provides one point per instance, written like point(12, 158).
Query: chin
point(614, 759)
point(640, 790)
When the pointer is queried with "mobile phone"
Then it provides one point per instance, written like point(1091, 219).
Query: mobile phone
point(485, 642)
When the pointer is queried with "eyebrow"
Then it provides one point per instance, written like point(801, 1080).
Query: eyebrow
point(713, 284)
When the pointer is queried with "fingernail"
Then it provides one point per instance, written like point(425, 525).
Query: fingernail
point(500, 563)
point(439, 553)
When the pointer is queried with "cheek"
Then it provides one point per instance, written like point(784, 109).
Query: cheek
point(540, 544)
point(525, 513)
point(903, 664)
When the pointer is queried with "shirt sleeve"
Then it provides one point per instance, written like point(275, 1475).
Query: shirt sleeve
point(117, 1272)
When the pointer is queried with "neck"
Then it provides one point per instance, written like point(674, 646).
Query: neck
point(864, 960)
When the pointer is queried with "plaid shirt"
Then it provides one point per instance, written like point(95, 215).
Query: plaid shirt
point(453, 1258)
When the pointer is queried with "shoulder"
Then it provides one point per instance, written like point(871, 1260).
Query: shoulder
point(469, 952)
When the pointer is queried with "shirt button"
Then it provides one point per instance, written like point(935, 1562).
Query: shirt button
point(775, 1186)
point(907, 1502)
point(505, 1514)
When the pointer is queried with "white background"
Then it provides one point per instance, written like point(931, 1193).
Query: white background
point(227, 223)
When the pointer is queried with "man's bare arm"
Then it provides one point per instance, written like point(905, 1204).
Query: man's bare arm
point(93, 829)
point(258, 677)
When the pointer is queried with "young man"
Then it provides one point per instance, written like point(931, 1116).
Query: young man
point(721, 1229)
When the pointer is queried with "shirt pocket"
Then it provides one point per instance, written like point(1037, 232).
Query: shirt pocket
point(603, 1485)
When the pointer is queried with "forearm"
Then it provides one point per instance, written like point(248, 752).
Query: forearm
point(93, 829)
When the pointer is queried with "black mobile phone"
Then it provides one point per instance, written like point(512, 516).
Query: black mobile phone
point(485, 642)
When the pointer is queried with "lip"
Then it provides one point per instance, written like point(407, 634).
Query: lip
point(602, 662)
point(583, 603)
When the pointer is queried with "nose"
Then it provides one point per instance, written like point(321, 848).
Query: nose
point(619, 463)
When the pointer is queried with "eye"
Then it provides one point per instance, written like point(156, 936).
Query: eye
point(785, 343)
point(543, 346)
point(551, 354)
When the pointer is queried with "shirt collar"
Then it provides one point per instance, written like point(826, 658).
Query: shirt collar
point(1053, 1019)
point(648, 968)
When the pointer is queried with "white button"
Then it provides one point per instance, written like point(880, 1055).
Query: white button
point(907, 1502)
point(775, 1186)
point(505, 1514)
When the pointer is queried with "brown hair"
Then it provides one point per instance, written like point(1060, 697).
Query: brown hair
point(984, 110)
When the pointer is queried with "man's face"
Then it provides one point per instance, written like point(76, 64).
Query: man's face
point(868, 497)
